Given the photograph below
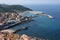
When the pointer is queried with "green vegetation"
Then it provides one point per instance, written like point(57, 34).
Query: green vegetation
point(9, 8)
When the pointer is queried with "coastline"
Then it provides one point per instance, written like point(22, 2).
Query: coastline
point(10, 35)
point(40, 13)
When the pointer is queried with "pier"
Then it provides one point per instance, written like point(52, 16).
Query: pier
point(16, 23)
point(39, 13)
point(15, 31)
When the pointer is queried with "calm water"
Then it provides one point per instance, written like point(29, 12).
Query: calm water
point(42, 26)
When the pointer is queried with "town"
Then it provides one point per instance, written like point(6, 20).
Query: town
point(8, 16)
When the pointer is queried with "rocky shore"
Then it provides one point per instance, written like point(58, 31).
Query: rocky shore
point(12, 36)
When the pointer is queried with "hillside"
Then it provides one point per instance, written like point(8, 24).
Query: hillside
point(9, 8)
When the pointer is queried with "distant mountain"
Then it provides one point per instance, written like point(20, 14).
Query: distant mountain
point(9, 8)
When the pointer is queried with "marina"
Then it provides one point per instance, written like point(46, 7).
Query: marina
point(16, 23)
point(12, 19)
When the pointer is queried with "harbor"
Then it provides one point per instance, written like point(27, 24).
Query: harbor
point(29, 19)
point(40, 13)
point(12, 19)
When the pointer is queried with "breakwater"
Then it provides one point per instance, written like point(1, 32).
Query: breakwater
point(15, 24)
point(39, 13)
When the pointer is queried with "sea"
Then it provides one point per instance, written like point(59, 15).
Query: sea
point(42, 26)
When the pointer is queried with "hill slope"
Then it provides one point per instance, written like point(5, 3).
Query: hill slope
point(8, 8)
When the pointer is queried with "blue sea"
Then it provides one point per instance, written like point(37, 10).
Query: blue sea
point(42, 26)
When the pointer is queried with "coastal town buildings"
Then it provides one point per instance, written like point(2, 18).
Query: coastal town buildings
point(8, 16)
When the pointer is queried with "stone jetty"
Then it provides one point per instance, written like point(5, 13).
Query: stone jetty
point(39, 13)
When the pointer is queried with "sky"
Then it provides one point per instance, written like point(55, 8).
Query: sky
point(27, 2)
